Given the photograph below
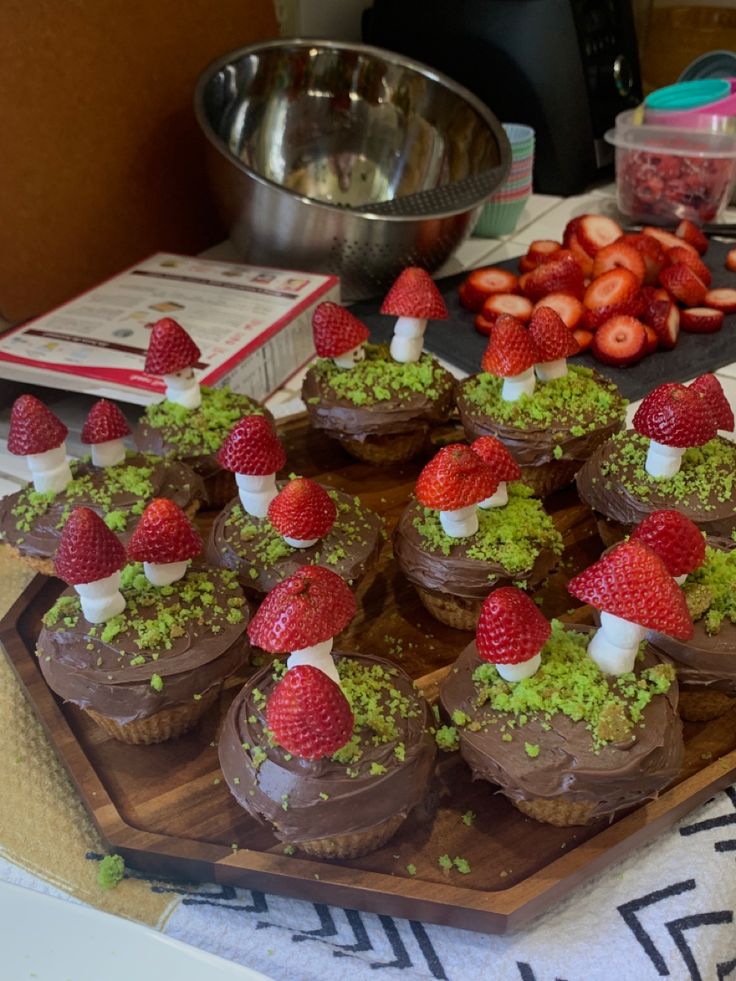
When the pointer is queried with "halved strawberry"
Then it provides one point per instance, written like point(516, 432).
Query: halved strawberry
point(583, 337)
point(711, 390)
point(336, 330)
point(511, 629)
point(676, 539)
point(33, 427)
point(510, 349)
point(559, 275)
point(414, 294)
point(701, 320)
point(104, 422)
point(551, 337)
point(252, 447)
point(302, 510)
point(675, 415)
point(164, 534)
point(666, 239)
point(170, 348)
point(664, 319)
point(614, 288)
point(685, 285)
point(497, 456)
point(691, 234)
point(541, 249)
point(483, 324)
point(595, 232)
point(482, 283)
point(731, 260)
point(652, 339)
point(308, 714)
point(581, 257)
point(569, 309)
point(651, 252)
point(455, 477)
point(694, 262)
point(721, 299)
point(87, 550)
point(620, 341)
point(510, 303)
point(619, 255)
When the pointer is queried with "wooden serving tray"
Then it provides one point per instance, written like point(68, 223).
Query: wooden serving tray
point(168, 812)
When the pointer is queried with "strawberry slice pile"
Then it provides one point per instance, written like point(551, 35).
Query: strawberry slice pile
point(302, 510)
point(510, 628)
point(164, 534)
point(87, 550)
point(336, 330)
point(170, 348)
point(455, 478)
point(623, 296)
point(308, 714)
point(674, 538)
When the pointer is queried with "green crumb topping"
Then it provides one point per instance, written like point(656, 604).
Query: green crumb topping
point(532, 750)
point(506, 737)
point(462, 865)
point(568, 681)
point(258, 756)
point(377, 769)
point(445, 862)
point(710, 591)
point(459, 718)
point(196, 432)
point(379, 378)
point(400, 752)
point(469, 817)
point(116, 520)
point(557, 452)
point(324, 796)
point(289, 849)
point(157, 682)
point(512, 535)
point(111, 871)
point(579, 399)
point(64, 609)
point(447, 738)
point(411, 869)
point(707, 473)
point(136, 661)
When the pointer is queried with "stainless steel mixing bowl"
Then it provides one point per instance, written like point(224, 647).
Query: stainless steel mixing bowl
point(345, 159)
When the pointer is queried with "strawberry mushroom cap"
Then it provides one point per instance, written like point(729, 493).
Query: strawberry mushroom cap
point(493, 452)
point(677, 540)
point(165, 541)
point(38, 435)
point(104, 430)
point(308, 714)
point(173, 354)
point(554, 342)
point(338, 334)
point(511, 633)
point(252, 451)
point(511, 354)
point(711, 390)
point(302, 512)
point(454, 482)
point(634, 592)
point(89, 557)
point(302, 615)
point(674, 418)
point(414, 299)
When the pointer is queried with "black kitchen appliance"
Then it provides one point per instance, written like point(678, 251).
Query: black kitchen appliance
point(565, 67)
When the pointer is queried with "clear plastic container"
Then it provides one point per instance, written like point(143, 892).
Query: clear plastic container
point(667, 173)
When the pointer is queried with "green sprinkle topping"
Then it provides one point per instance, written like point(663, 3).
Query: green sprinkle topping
point(445, 862)
point(710, 591)
point(411, 869)
point(460, 718)
point(447, 738)
point(289, 849)
point(377, 769)
point(469, 817)
point(196, 432)
point(462, 865)
point(111, 871)
point(531, 749)
point(324, 796)
point(379, 378)
point(157, 682)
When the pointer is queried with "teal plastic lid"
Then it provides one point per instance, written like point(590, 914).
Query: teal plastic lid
point(688, 95)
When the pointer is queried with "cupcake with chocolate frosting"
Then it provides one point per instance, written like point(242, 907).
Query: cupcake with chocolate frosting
point(379, 402)
point(550, 415)
point(464, 534)
point(115, 483)
point(331, 749)
point(192, 420)
point(142, 648)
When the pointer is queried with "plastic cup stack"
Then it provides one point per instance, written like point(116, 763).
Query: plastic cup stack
point(504, 207)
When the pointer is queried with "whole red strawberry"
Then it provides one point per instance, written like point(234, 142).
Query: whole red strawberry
point(87, 550)
point(550, 336)
point(674, 415)
point(252, 447)
point(510, 627)
point(104, 422)
point(414, 294)
point(710, 390)
point(170, 348)
point(493, 452)
point(510, 349)
point(302, 510)
point(33, 427)
point(674, 538)
point(306, 609)
point(454, 478)
point(336, 330)
point(308, 714)
point(631, 582)
point(164, 534)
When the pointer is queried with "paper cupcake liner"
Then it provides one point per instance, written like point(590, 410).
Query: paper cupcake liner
point(703, 705)
point(500, 217)
point(455, 611)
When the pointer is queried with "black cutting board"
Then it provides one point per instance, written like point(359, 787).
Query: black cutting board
point(458, 342)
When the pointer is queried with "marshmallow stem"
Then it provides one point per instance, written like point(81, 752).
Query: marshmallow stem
point(615, 644)
point(516, 386)
point(317, 656)
point(680, 579)
point(517, 672)
point(256, 492)
point(109, 453)
point(407, 343)
point(350, 358)
point(182, 388)
point(663, 461)
point(300, 542)
point(101, 600)
point(164, 573)
point(460, 523)
point(498, 499)
point(50, 470)
point(547, 371)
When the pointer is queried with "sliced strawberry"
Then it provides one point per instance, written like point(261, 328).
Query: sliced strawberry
point(414, 294)
point(510, 349)
point(523, 279)
point(595, 232)
point(666, 239)
point(731, 260)
point(675, 415)
point(33, 427)
point(308, 714)
point(701, 320)
point(651, 252)
point(509, 303)
point(336, 330)
point(710, 389)
point(648, 296)
point(455, 477)
point(558, 275)
point(652, 339)
point(170, 349)
point(164, 534)
point(614, 288)
point(511, 629)
point(526, 264)
point(306, 609)
point(592, 319)
point(571, 229)
point(302, 510)
point(620, 341)
point(664, 319)
point(685, 285)
point(583, 337)
point(493, 452)
point(581, 257)
point(483, 324)
point(482, 283)
point(569, 309)
point(694, 262)
point(691, 234)
point(104, 422)
point(87, 550)
point(541, 249)
point(551, 337)
point(721, 299)
point(252, 447)
point(677, 540)
point(619, 255)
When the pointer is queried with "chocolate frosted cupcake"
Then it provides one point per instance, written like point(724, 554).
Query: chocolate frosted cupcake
point(143, 661)
point(550, 427)
point(454, 564)
point(333, 754)
point(378, 403)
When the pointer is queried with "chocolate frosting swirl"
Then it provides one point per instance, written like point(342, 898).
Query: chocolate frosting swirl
point(615, 776)
point(353, 803)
